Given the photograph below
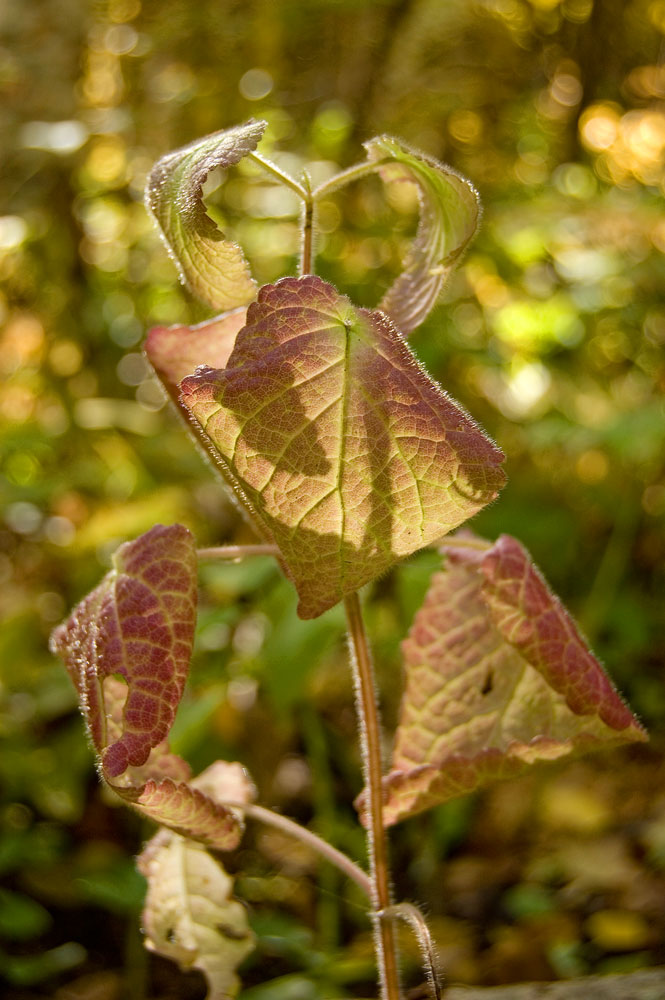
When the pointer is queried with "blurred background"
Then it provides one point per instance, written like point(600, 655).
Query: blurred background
point(551, 333)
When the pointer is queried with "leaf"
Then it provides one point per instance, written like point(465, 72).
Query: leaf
point(196, 808)
point(190, 916)
point(213, 267)
point(497, 678)
point(449, 216)
point(350, 455)
point(139, 624)
point(175, 351)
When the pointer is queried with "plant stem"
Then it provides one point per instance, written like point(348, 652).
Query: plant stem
point(348, 176)
point(412, 916)
point(301, 833)
point(306, 260)
point(280, 175)
point(370, 743)
point(237, 551)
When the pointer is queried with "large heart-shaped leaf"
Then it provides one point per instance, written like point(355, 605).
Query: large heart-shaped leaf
point(350, 454)
point(212, 266)
point(449, 215)
point(497, 677)
point(139, 624)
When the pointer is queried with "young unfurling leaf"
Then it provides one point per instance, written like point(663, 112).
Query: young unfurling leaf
point(497, 677)
point(138, 624)
point(449, 215)
point(212, 266)
point(350, 455)
point(190, 915)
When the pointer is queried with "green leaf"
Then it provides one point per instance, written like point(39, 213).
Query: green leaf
point(213, 267)
point(351, 456)
point(449, 216)
point(497, 678)
point(139, 624)
point(190, 916)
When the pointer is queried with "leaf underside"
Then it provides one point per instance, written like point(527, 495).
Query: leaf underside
point(127, 647)
point(449, 215)
point(212, 266)
point(497, 678)
point(175, 351)
point(190, 915)
point(352, 457)
point(138, 624)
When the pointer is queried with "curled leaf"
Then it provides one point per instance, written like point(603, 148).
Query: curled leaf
point(176, 351)
point(190, 915)
point(196, 808)
point(350, 455)
point(449, 216)
point(212, 266)
point(137, 624)
point(497, 678)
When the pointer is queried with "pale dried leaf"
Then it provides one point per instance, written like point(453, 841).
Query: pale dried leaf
point(190, 915)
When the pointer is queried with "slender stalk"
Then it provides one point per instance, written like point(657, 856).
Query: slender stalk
point(307, 224)
point(414, 918)
point(305, 836)
point(370, 742)
point(348, 176)
point(237, 551)
point(280, 175)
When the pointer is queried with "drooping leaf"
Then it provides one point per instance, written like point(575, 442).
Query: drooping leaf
point(139, 624)
point(497, 678)
point(175, 351)
point(196, 808)
point(212, 266)
point(348, 452)
point(190, 915)
point(449, 216)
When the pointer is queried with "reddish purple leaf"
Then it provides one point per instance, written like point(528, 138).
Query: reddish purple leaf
point(196, 808)
point(139, 624)
point(176, 351)
point(497, 677)
point(349, 454)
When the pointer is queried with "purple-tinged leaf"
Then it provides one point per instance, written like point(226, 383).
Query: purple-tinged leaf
point(350, 455)
point(176, 351)
point(196, 808)
point(213, 267)
point(449, 216)
point(190, 915)
point(497, 678)
point(138, 624)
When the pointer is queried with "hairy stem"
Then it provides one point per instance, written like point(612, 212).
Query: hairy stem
point(411, 915)
point(305, 836)
point(307, 224)
point(280, 175)
point(370, 744)
point(345, 177)
point(237, 551)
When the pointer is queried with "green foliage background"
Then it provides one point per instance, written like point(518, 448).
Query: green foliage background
point(551, 334)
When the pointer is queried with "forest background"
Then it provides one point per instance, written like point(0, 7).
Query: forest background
point(551, 333)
